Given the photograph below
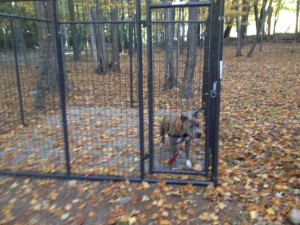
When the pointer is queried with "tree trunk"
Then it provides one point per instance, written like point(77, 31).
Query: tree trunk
point(115, 57)
point(238, 31)
point(255, 7)
point(93, 38)
point(101, 42)
point(227, 31)
point(260, 30)
point(297, 19)
point(245, 16)
point(47, 79)
point(187, 87)
point(124, 33)
point(5, 39)
point(262, 13)
point(20, 37)
point(76, 49)
point(170, 81)
point(269, 22)
point(65, 27)
point(279, 6)
point(48, 70)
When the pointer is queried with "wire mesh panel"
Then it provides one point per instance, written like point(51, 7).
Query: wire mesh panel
point(86, 85)
point(31, 130)
point(181, 88)
point(102, 111)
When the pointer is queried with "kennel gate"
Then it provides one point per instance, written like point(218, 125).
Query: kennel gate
point(211, 43)
point(74, 144)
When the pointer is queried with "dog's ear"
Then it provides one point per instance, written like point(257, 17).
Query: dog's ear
point(196, 113)
point(183, 117)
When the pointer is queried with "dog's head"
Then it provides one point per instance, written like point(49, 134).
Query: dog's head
point(190, 125)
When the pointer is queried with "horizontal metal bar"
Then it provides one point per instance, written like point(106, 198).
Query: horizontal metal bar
point(102, 178)
point(181, 182)
point(182, 21)
point(188, 172)
point(178, 4)
point(25, 1)
point(97, 22)
point(23, 17)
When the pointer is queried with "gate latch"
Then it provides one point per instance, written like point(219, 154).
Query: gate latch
point(213, 92)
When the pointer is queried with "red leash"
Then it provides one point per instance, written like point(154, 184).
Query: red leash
point(172, 160)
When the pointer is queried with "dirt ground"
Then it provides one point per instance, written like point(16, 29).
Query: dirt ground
point(259, 163)
point(33, 201)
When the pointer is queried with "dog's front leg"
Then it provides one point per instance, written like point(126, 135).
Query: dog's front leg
point(173, 145)
point(187, 153)
point(174, 149)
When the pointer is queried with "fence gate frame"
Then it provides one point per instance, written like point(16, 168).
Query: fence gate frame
point(211, 96)
point(214, 76)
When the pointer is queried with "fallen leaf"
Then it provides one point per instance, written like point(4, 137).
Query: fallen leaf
point(64, 216)
point(253, 215)
point(91, 214)
point(271, 212)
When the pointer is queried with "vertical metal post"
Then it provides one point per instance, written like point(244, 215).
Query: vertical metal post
point(150, 86)
point(220, 27)
point(62, 84)
point(140, 86)
point(207, 100)
point(130, 63)
point(211, 72)
point(17, 71)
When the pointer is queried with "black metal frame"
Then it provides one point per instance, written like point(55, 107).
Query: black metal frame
point(212, 75)
point(211, 96)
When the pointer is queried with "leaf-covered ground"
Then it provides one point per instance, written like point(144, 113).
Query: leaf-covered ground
point(259, 163)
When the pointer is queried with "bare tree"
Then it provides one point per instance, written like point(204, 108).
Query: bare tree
point(187, 87)
point(297, 19)
point(238, 30)
point(101, 42)
point(48, 74)
point(20, 35)
point(229, 18)
point(269, 22)
point(245, 16)
point(115, 57)
point(93, 37)
point(278, 7)
point(261, 29)
point(76, 49)
point(170, 81)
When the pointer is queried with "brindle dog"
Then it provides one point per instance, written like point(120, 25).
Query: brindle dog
point(182, 129)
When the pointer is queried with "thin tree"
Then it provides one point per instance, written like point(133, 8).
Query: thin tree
point(229, 17)
point(297, 19)
point(48, 73)
point(20, 35)
point(101, 42)
point(170, 80)
point(76, 49)
point(269, 22)
point(93, 37)
point(261, 29)
point(238, 30)
point(278, 7)
point(245, 17)
point(115, 57)
point(187, 87)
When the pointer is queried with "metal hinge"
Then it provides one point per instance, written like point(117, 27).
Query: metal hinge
point(213, 92)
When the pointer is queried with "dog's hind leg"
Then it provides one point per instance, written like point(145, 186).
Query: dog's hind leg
point(163, 129)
